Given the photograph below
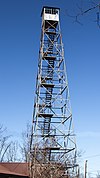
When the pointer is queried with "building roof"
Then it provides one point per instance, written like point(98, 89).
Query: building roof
point(19, 169)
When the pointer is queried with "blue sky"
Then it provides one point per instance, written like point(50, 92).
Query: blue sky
point(20, 28)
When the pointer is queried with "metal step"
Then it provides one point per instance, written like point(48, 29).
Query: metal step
point(45, 57)
point(47, 85)
point(49, 115)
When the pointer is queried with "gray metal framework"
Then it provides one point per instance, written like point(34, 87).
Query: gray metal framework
point(53, 144)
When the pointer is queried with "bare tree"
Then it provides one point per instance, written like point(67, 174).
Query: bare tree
point(50, 170)
point(25, 145)
point(8, 148)
point(94, 7)
point(98, 174)
point(12, 152)
point(4, 143)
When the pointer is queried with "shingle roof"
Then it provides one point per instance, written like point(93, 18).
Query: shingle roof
point(20, 169)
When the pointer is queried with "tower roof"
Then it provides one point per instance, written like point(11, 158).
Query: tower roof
point(48, 7)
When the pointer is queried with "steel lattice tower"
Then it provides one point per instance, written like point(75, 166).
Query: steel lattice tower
point(53, 147)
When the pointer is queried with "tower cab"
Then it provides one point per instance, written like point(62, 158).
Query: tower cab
point(50, 14)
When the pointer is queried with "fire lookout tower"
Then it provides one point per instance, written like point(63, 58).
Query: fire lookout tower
point(53, 147)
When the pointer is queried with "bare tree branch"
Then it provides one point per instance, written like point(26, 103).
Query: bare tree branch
point(88, 10)
point(25, 146)
point(4, 142)
point(2, 157)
